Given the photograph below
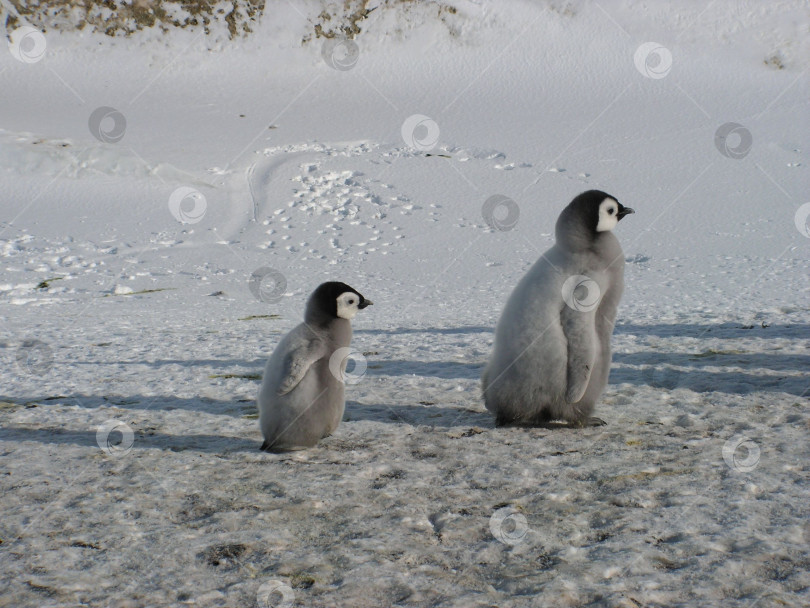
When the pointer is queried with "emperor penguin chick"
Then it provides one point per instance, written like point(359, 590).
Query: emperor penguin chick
point(301, 398)
point(551, 356)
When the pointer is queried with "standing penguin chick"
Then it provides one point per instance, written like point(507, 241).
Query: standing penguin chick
point(301, 399)
point(551, 357)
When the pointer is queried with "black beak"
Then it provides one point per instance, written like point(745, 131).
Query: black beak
point(363, 303)
point(624, 211)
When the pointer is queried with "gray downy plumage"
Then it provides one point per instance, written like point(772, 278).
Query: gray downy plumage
point(301, 399)
point(551, 356)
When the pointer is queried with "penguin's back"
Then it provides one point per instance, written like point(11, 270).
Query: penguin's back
point(526, 378)
point(528, 365)
point(312, 409)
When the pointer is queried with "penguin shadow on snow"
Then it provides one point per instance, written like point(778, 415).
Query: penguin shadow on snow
point(463, 329)
point(216, 444)
point(665, 371)
point(671, 370)
point(142, 403)
point(448, 370)
point(716, 330)
point(426, 413)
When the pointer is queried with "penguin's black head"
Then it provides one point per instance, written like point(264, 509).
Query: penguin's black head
point(599, 211)
point(334, 300)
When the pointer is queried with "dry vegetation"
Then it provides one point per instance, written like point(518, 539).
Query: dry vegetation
point(335, 18)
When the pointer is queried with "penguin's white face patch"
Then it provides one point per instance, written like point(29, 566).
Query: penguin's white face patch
point(608, 215)
point(347, 305)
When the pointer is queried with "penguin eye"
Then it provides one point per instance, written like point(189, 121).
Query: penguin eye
point(611, 211)
point(351, 300)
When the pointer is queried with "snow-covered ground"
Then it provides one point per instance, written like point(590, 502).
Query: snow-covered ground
point(133, 343)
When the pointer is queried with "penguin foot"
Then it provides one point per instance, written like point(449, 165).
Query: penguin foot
point(593, 421)
point(277, 449)
point(577, 424)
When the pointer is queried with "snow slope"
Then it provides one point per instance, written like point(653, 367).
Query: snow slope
point(133, 342)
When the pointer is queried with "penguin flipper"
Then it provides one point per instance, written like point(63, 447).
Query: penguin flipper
point(580, 332)
point(298, 362)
